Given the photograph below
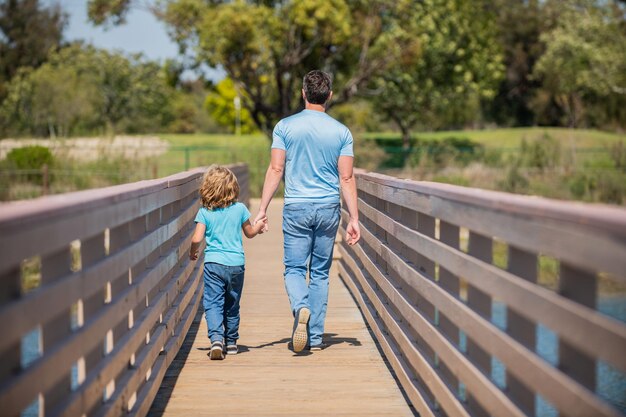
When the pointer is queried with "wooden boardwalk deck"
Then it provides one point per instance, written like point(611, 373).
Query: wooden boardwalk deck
point(266, 378)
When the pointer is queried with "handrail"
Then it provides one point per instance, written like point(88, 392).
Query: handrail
point(425, 279)
point(114, 296)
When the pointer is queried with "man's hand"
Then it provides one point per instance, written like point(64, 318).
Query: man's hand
point(261, 217)
point(260, 225)
point(353, 232)
point(193, 255)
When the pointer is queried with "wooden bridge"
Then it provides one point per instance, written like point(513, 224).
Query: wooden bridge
point(438, 311)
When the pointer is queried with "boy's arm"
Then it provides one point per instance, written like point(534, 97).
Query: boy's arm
point(196, 240)
point(272, 180)
point(251, 231)
point(348, 190)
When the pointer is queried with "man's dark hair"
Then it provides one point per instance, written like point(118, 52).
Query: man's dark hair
point(317, 85)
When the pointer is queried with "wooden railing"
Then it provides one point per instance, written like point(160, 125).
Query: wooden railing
point(427, 281)
point(96, 295)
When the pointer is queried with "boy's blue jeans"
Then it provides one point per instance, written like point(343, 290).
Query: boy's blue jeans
point(309, 231)
point(222, 291)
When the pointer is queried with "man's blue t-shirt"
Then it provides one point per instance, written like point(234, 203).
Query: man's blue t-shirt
point(313, 142)
point(223, 233)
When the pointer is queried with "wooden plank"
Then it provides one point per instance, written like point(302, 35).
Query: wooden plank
point(56, 328)
point(490, 396)
point(581, 287)
point(43, 373)
point(480, 247)
point(450, 235)
point(16, 243)
point(266, 372)
point(91, 391)
point(401, 368)
point(606, 217)
point(587, 329)
point(145, 396)
point(52, 299)
point(586, 241)
point(563, 392)
point(525, 265)
point(406, 348)
point(187, 302)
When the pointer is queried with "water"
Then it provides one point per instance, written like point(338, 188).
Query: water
point(611, 383)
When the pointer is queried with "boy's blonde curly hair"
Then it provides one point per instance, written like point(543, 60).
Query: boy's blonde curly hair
point(219, 188)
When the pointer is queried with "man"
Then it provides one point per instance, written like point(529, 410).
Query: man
point(314, 151)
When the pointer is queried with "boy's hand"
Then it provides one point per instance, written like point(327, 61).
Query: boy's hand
point(261, 217)
point(260, 225)
point(193, 255)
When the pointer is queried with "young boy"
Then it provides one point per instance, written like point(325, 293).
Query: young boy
point(220, 221)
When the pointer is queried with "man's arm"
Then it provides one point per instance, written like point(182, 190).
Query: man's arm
point(272, 180)
point(348, 190)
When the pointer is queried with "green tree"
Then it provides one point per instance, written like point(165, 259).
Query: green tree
point(27, 33)
point(458, 63)
point(520, 25)
point(266, 46)
point(585, 58)
point(82, 88)
point(220, 105)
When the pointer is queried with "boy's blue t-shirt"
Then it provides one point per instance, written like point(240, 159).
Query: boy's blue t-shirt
point(313, 142)
point(223, 233)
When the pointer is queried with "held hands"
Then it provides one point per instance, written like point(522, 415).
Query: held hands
point(261, 217)
point(353, 232)
point(260, 225)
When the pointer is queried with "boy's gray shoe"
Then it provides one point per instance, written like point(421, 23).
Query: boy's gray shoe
point(217, 351)
point(300, 337)
point(232, 349)
point(318, 347)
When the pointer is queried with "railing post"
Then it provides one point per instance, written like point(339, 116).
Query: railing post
point(450, 235)
point(579, 286)
point(523, 264)
point(480, 247)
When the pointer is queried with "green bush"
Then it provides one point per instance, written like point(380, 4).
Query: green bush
point(515, 181)
point(611, 187)
point(581, 185)
point(30, 159)
point(618, 155)
point(543, 153)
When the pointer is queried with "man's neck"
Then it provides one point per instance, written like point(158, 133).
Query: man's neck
point(316, 107)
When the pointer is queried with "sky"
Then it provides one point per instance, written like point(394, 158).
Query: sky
point(142, 32)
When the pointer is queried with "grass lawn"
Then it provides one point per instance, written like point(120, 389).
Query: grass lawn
point(190, 151)
point(193, 150)
point(512, 138)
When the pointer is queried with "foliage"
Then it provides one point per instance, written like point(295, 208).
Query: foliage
point(585, 57)
point(514, 181)
point(618, 155)
point(82, 89)
point(29, 158)
point(266, 47)
point(27, 32)
point(220, 105)
point(360, 115)
point(520, 25)
point(542, 154)
point(368, 155)
point(458, 64)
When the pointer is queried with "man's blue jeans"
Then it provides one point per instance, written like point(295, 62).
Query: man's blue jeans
point(222, 291)
point(309, 231)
